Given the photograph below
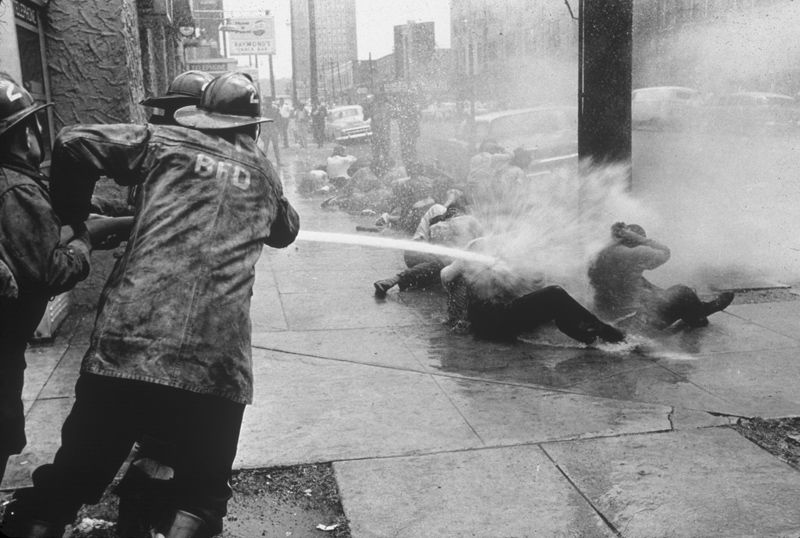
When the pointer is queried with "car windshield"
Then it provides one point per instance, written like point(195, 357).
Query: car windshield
point(345, 113)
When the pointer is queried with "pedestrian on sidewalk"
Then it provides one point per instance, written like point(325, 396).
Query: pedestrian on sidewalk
point(319, 114)
point(621, 291)
point(34, 264)
point(270, 133)
point(170, 352)
point(285, 110)
point(301, 121)
point(499, 303)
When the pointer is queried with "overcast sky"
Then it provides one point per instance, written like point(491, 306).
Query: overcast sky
point(375, 20)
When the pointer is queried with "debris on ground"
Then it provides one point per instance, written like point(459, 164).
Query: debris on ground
point(287, 501)
point(780, 437)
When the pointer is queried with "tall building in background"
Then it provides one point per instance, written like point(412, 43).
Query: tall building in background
point(335, 22)
point(414, 45)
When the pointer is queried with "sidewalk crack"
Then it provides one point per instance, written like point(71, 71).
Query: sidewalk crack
point(582, 494)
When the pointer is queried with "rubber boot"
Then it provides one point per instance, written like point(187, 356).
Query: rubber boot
point(3, 463)
point(719, 303)
point(183, 525)
point(17, 524)
point(143, 492)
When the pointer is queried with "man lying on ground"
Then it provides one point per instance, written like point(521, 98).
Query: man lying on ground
point(498, 303)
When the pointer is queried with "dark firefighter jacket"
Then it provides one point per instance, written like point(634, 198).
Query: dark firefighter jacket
point(176, 309)
point(39, 267)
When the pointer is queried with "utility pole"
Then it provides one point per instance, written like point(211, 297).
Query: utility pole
point(294, 56)
point(312, 45)
point(224, 39)
point(371, 76)
point(271, 76)
point(604, 124)
point(339, 76)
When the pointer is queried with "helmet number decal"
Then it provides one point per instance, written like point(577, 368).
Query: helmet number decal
point(253, 94)
point(11, 95)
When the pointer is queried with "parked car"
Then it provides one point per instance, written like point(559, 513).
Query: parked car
point(345, 123)
point(550, 132)
point(753, 112)
point(665, 107)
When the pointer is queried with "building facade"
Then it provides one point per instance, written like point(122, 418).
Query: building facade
point(524, 52)
point(95, 60)
point(335, 31)
point(717, 46)
point(520, 52)
point(414, 45)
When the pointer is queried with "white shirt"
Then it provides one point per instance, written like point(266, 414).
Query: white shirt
point(338, 165)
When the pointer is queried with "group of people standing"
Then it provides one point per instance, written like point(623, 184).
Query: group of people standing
point(168, 364)
point(290, 122)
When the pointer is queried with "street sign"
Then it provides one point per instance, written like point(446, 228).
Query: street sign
point(250, 36)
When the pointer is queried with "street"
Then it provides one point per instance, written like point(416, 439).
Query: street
point(433, 433)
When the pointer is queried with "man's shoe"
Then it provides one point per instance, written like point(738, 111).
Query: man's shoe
point(718, 304)
point(696, 323)
point(611, 334)
point(383, 286)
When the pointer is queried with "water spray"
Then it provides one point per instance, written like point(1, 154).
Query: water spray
point(394, 244)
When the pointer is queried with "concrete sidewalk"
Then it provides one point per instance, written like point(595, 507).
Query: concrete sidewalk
point(436, 434)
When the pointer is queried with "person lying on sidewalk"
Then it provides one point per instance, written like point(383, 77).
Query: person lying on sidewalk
point(498, 303)
point(621, 291)
point(446, 224)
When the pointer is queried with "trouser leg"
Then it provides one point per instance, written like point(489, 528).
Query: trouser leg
point(145, 490)
point(12, 414)
point(677, 302)
point(3, 463)
point(421, 275)
point(276, 147)
point(553, 303)
point(95, 440)
point(205, 432)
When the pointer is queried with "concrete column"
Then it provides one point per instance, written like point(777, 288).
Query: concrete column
point(604, 131)
point(94, 60)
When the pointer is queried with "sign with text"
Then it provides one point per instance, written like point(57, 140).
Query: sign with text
point(250, 36)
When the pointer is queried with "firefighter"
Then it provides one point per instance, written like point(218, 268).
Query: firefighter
point(170, 352)
point(34, 264)
point(184, 90)
point(145, 488)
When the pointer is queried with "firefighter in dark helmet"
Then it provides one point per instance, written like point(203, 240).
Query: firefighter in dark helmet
point(170, 352)
point(34, 264)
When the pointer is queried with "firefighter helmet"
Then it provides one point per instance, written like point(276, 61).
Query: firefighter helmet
point(16, 103)
point(229, 101)
point(185, 90)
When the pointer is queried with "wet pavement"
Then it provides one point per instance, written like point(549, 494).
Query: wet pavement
point(439, 434)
